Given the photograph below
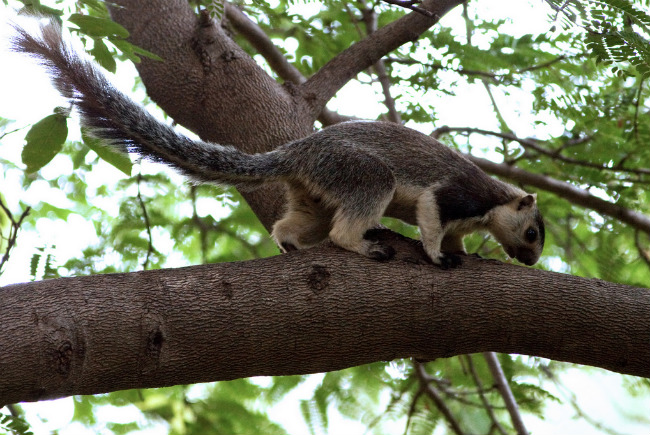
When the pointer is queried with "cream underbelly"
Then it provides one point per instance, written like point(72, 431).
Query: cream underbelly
point(404, 203)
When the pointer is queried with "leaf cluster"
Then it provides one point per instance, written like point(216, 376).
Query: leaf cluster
point(13, 425)
point(615, 31)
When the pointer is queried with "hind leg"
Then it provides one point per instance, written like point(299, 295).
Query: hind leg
point(349, 228)
point(306, 223)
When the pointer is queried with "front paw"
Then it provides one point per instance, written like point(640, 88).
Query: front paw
point(449, 261)
point(287, 247)
point(445, 260)
point(380, 252)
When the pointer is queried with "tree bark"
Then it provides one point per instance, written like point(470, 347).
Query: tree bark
point(310, 311)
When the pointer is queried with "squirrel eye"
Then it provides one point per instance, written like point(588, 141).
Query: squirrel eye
point(531, 235)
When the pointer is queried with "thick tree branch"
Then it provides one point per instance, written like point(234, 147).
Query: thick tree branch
point(316, 310)
point(567, 191)
point(323, 85)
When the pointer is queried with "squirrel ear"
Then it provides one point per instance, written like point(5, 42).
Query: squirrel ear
point(526, 201)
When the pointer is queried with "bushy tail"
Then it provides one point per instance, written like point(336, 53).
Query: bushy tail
point(114, 117)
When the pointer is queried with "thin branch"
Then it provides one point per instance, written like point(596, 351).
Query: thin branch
point(549, 62)
point(486, 74)
point(13, 231)
point(644, 252)
point(263, 44)
point(433, 394)
point(147, 224)
point(411, 411)
point(567, 191)
point(571, 397)
point(503, 387)
point(370, 20)
point(391, 405)
point(6, 133)
point(203, 228)
point(342, 68)
point(532, 144)
point(276, 59)
point(410, 4)
point(481, 392)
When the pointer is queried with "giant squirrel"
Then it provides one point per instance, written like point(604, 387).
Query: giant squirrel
point(340, 180)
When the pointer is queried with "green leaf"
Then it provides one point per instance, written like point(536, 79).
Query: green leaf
point(45, 209)
point(118, 159)
point(132, 51)
point(44, 140)
point(103, 56)
point(35, 7)
point(98, 27)
point(96, 5)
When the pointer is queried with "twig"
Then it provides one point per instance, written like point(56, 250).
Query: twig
point(468, 23)
point(276, 59)
point(433, 394)
point(203, 234)
point(12, 131)
point(486, 403)
point(571, 397)
point(497, 111)
point(506, 393)
point(555, 154)
point(414, 402)
point(486, 74)
point(329, 79)
point(218, 227)
point(393, 401)
point(410, 4)
point(370, 19)
point(147, 224)
point(644, 253)
point(635, 128)
point(577, 196)
point(13, 231)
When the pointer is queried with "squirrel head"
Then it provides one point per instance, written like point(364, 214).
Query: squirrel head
point(519, 227)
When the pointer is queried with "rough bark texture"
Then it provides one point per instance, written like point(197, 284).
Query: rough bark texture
point(310, 311)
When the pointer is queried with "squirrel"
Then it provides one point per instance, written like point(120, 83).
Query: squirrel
point(340, 180)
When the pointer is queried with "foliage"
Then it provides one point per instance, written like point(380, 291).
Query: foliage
point(13, 425)
point(616, 31)
point(569, 118)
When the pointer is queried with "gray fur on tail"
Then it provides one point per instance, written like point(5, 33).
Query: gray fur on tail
point(112, 116)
